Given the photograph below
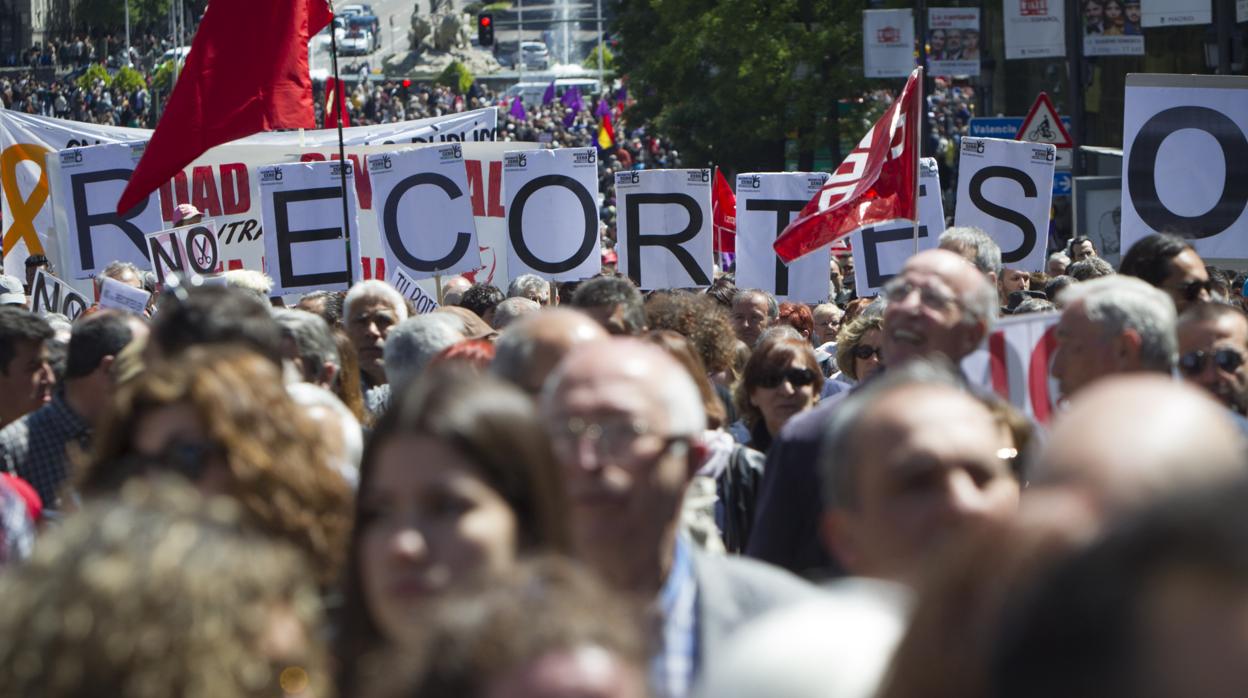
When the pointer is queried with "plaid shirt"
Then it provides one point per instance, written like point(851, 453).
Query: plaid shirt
point(33, 447)
point(673, 668)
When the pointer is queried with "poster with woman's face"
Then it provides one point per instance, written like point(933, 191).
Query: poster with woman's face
point(953, 41)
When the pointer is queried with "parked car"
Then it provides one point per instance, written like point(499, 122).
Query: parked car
point(369, 24)
point(357, 42)
point(535, 54)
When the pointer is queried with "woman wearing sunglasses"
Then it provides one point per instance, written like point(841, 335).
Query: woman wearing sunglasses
point(781, 379)
point(858, 350)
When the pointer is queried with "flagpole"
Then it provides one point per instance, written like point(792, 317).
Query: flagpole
point(339, 105)
point(918, 154)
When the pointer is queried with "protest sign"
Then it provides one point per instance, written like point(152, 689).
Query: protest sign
point(1173, 13)
point(190, 248)
point(1111, 28)
point(664, 227)
point(953, 41)
point(421, 301)
point(1035, 29)
point(552, 213)
point(217, 182)
point(766, 203)
point(51, 295)
point(1014, 362)
point(306, 245)
point(880, 251)
point(1005, 188)
point(1185, 161)
point(887, 43)
point(93, 233)
point(118, 296)
point(424, 212)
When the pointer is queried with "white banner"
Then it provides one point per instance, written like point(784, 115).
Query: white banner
point(664, 227)
point(953, 41)
point(552, 213)
point(1005, 188)
point(880, 251)
point(1014, 362)
point(52, 295)
point(1173, 13)
point(1035, 29)
point(1185, 161)
point(217, 183)
point(88, 183)
point(305, 248)
point(766, 203)
point(422, 301)
point(424, 212)
point(887, 43)
point(190, 248)
point(1112, 28)
point(123, 297)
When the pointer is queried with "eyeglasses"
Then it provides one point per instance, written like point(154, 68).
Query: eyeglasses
point(610, 437)
point(797, 377)
point(1193, 362)
point(1190, 291)
point(864, 352)
point(899, 289)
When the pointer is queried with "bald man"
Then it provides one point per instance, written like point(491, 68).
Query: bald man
point(939, 305)
point(453, 289)
point(530, 347)
point(626, 422)
point(1129, 440)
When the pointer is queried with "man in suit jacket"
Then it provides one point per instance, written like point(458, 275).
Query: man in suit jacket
point(626, 422)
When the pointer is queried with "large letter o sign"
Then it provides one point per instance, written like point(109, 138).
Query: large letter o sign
point(515, 226)
point(1141, 169)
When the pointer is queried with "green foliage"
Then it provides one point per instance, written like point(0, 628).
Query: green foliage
point(95, 72)
point(731, 80)
point(128, 79)
point(457, 77)
point(111, 13)
point(608, 59)
point(162, 77)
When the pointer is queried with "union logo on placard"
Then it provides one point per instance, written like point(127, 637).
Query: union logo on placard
point(271, 175)
point(454, 152)
point(973, 145)
point(699, 176)
point(749, 182)
point(71, 158)
point(627, 178)
point(516, 160)
point(1042, 154)
point(336, 169)
point(380, 162)
point(585, 157)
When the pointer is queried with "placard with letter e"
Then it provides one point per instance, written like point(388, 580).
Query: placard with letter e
point(552, 213)
point(1005, 188)
point(1185, 161)
point(880, 251)
point(424, 211)
point(304, 242)
point(86, 185)
point(664, 227)
point(51, 295)
point(189, 249)
point(766, 203)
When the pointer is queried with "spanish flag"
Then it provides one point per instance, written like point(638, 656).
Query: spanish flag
point(606, 134)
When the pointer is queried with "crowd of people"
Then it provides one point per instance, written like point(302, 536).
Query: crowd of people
point(580, 489)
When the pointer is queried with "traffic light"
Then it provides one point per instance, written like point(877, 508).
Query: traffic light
point(485, 29)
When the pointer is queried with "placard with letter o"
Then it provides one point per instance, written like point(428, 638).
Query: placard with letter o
point(1185, 161)
point(552, 213)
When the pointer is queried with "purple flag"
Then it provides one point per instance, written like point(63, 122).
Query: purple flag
point(621, 95)
point(549, 95)
point(602, 109)
point(572, 99)
point(570, 117)
point(517, 109)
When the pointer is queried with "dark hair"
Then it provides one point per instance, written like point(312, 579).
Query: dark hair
point(799, 317)
point(347, 387)
point(723, 290)
point(331, 306)
point(1079, 240)
point(773, 307)
point(1081, 632)
point(481, 298)
point(613, 290)
point(93, 338)
point(1209, 311)
point(495, 427)
point(17, 326)
point(216, 315)
point(37, 260)
point(1149, 258)
point(769, 354)
point(1056, 284)
point(700, 318)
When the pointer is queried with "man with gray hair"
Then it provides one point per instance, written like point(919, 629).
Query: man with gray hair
point(908, 464)
point(530, 286)
point(1057, 263)
point(976, 247)
point(753, 311)
point(309, 345)
point(626, 423)
point(125, 272)
point(511, 310)
point(369, 311)
point(1114, 324)
point(939, 305)
point(416, 340)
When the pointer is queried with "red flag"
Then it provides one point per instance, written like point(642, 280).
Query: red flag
point(336, 93)
point(875, 183)
point(724, 214)
point(247, 71)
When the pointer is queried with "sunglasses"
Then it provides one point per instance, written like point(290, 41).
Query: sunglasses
point(864, 352)
point(1190, 291)
point(1193, 362)
point(797, 377)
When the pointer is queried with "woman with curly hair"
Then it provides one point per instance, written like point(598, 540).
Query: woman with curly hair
point(858, 352)
point(221, 418)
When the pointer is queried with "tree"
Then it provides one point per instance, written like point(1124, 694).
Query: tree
point(731, 81)
point(457, 77)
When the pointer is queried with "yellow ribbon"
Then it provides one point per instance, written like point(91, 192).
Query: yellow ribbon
point(23, 212)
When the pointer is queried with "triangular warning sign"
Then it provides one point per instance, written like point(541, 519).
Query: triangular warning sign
point(1043, 125)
